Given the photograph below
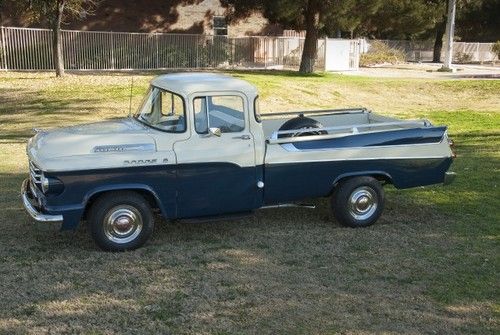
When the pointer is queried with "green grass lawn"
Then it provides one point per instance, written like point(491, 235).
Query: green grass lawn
point(430, 265)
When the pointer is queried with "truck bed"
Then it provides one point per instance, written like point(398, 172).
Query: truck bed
point(353, 142)
point(336, 123)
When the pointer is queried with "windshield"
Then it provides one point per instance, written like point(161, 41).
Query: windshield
point(163, 110)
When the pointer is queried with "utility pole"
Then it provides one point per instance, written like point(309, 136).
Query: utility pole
point(450, 32)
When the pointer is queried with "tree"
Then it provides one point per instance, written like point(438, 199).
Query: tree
point(317, 17)
point(55, 12)
point(477, 20)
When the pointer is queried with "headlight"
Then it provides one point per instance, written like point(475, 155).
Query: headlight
point(45, 183)
point(51, 184)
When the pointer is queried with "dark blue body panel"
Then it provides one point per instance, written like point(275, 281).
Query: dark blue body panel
point(181, 191)
point(291, 182)
point(392, 137)
point(214, 188)
point(202, 189)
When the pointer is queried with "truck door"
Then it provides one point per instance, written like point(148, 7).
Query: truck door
point(216, 166)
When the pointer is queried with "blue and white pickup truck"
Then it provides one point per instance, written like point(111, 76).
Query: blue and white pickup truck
point(198, 148)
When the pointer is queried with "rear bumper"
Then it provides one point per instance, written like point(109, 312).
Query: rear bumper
point(28, 202)
point(449, 177)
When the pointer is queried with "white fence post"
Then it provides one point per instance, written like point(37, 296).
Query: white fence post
point(265, 52)
point(478, 54)
point(325, 56)
point(197, 63)
point(112, 47)
point(157, 57)
point(4, 49)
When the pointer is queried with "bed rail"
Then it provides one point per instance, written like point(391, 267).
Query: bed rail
point(360, 110)
point(339, 131)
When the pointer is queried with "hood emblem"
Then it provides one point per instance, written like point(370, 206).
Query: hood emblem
point(124, 147)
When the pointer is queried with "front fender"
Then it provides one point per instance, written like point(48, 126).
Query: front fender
point(94, 193)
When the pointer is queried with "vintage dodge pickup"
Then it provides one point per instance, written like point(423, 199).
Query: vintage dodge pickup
point(198, 148)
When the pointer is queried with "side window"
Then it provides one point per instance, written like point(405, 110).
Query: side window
point(200, 115)
point(225, 112)
point(171, 112)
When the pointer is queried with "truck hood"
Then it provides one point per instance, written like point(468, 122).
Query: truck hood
point(101, 144)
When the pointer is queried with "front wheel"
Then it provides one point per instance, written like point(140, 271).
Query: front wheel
point(121, 221)
point(358, 202)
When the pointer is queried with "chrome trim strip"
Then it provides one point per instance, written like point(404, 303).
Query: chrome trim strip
point(342, 131)
point(291, 148)
point(36, 215)
point(310, 206)
point(360, 110)
point(352, 159)
point(124, 147)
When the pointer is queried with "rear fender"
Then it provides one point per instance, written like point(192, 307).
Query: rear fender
point(376, 174)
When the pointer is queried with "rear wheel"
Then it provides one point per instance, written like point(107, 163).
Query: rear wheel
point(358, 202)
point(121, 221)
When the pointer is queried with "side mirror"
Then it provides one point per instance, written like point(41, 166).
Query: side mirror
point(214, 131)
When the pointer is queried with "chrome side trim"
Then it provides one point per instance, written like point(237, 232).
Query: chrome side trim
point(354, 159)
point(124, 147)
point(36, 215)
point(360, 110)
point(291, 148)
point(341, 131)
point(289, 205)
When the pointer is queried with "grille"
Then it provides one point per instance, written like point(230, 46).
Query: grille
point(35, 174)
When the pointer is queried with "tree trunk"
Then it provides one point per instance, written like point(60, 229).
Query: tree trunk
point(440, 30)
point(311, 42)
point(438, 42)
point(56, 39)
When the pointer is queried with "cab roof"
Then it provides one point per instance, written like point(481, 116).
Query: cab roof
point(191, 82)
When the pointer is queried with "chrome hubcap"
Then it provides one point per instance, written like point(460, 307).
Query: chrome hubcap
point(122, 224)
point(363, 203)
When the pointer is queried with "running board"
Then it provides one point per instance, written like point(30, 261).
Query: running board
point(215, 218)
point(310, 206)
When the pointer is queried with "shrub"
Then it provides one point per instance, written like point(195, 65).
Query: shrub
point(462, 58)
point(496, 49)
point(380, 53)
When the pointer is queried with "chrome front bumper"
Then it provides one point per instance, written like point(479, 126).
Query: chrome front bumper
point(32, 211)
point(449, 177)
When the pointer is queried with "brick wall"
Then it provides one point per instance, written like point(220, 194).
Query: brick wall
point(178, 16)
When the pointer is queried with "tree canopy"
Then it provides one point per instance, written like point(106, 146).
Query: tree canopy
point(55, 11)
point(383, 19)
point(317, 17)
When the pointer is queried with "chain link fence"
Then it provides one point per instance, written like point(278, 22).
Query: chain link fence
point(31, 49)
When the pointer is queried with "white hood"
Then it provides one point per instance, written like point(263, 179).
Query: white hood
point(90, 146)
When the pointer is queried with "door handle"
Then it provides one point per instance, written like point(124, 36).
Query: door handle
point(243, 137)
